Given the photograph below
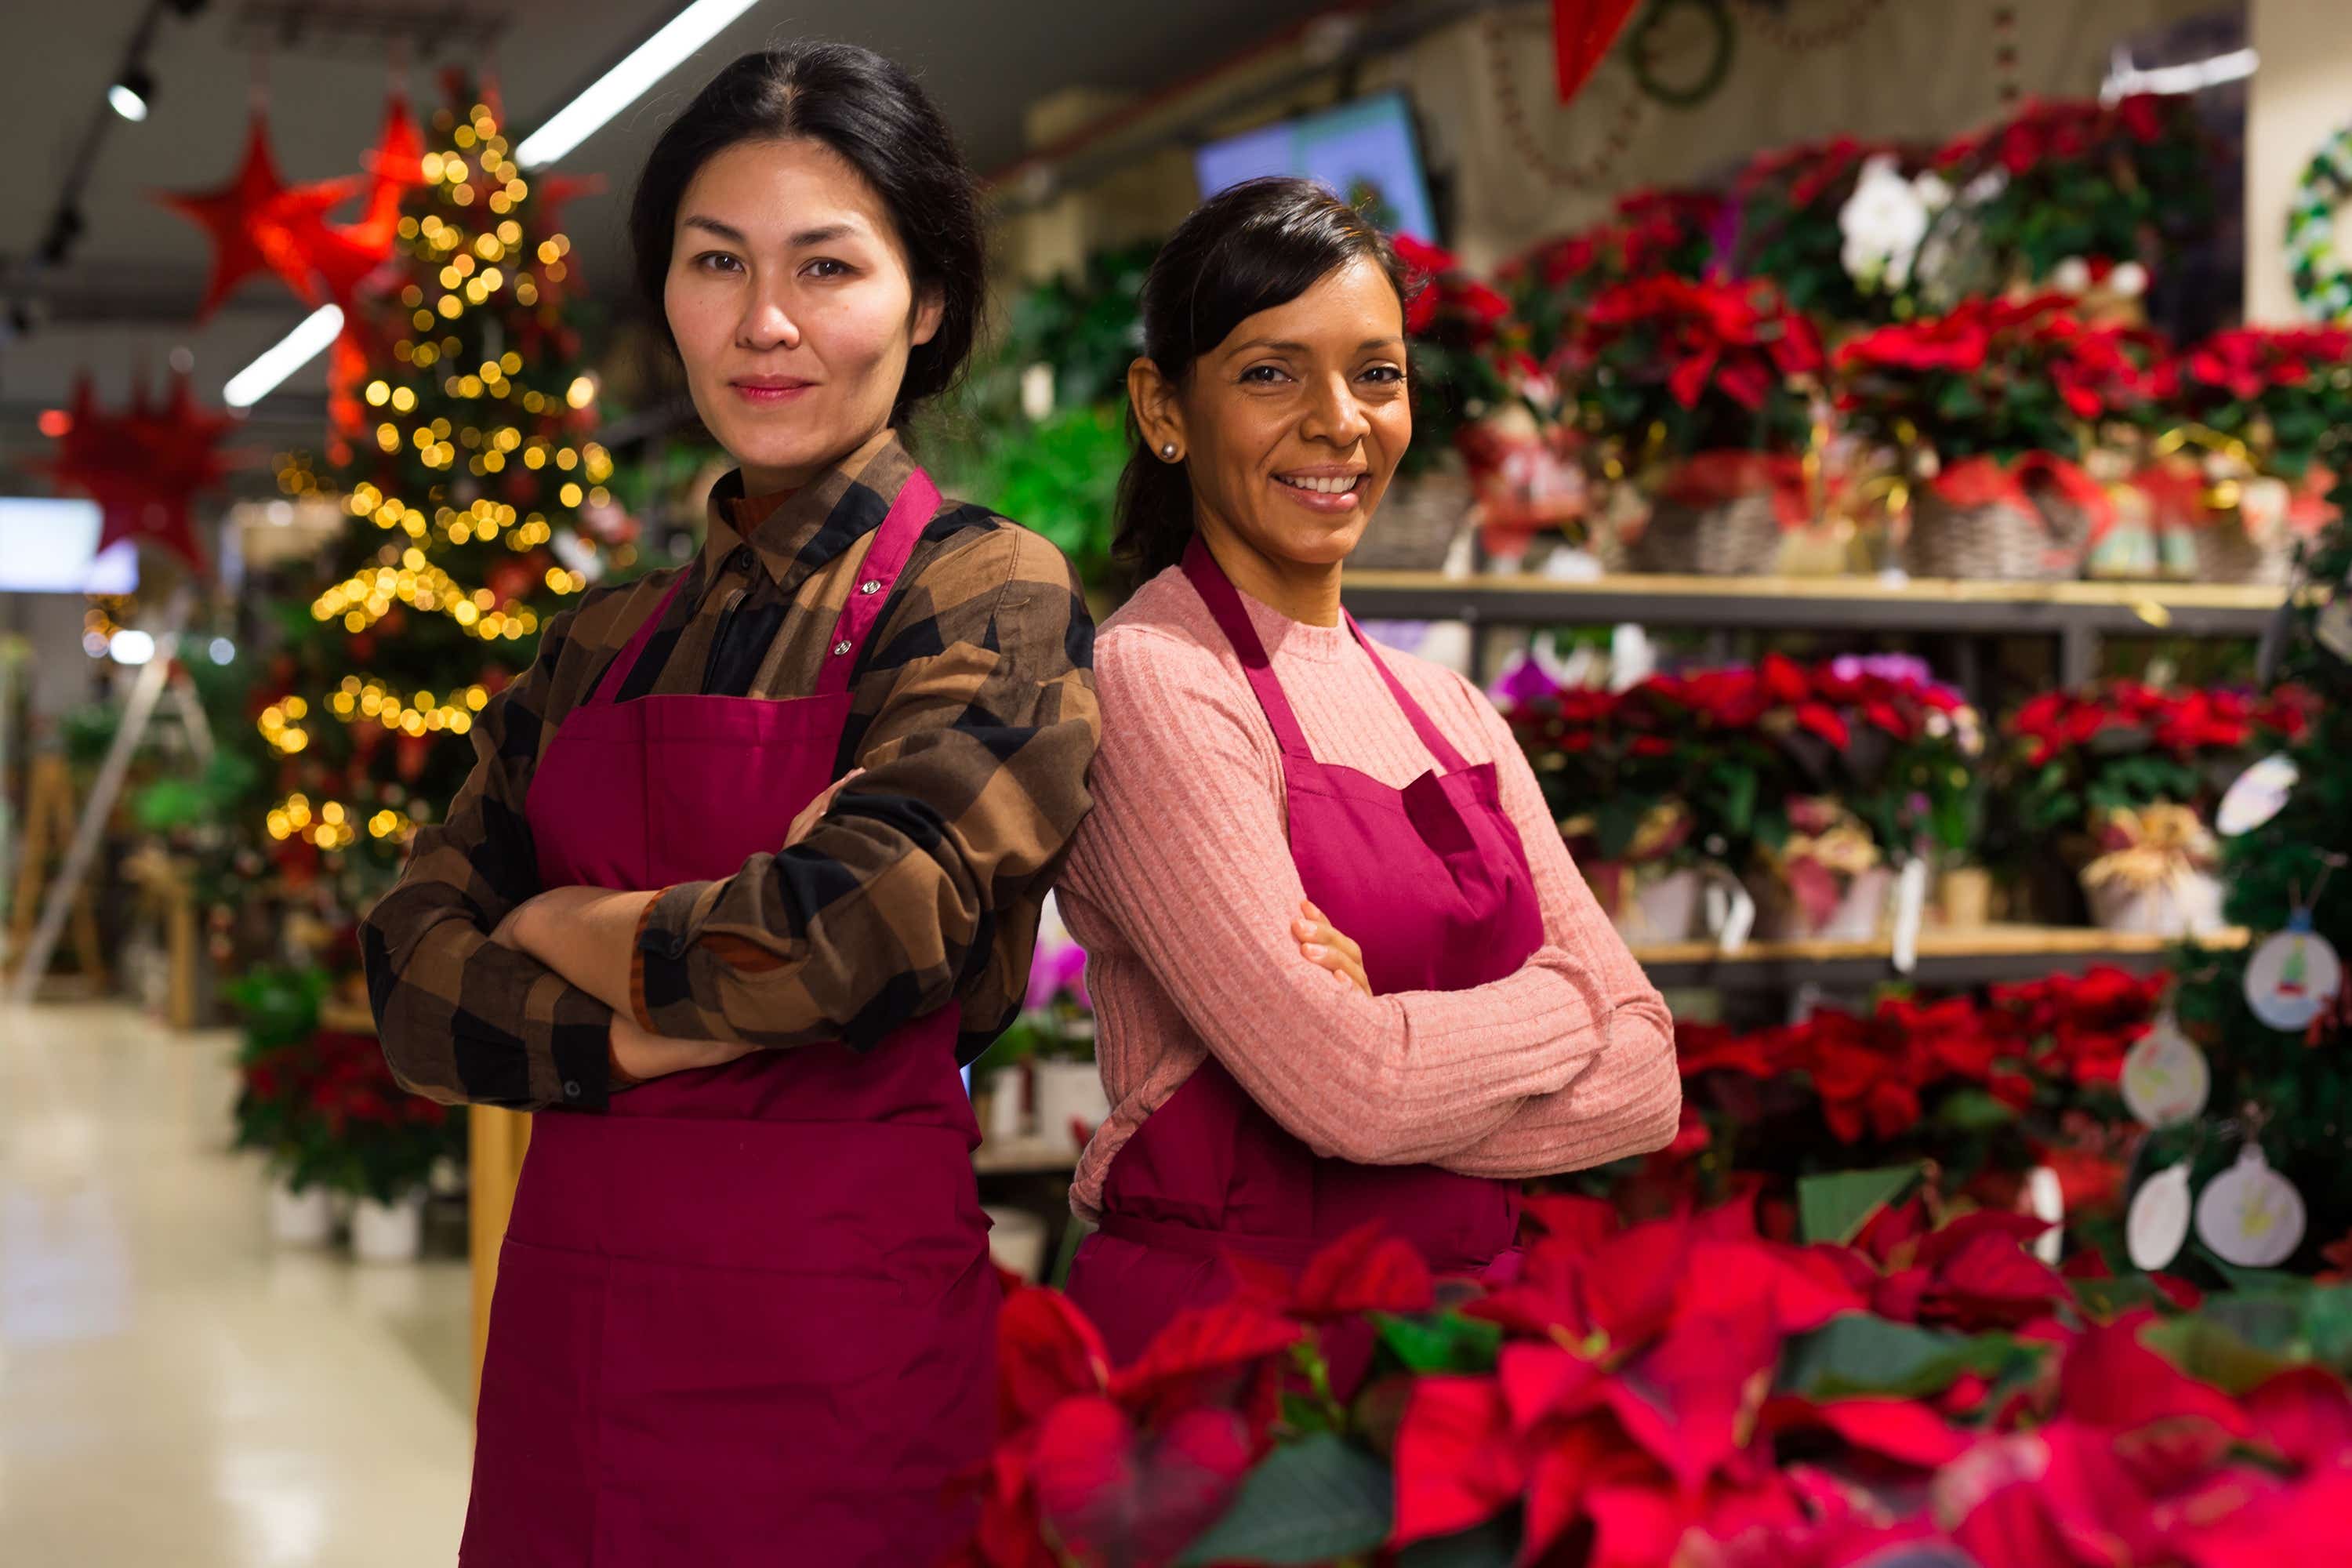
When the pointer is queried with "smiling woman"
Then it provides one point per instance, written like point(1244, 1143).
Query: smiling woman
point(1343, 970)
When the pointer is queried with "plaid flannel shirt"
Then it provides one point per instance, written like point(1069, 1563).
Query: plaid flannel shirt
point(973, 713)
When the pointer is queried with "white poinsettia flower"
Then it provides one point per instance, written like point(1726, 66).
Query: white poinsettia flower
point(1882, 225)
point(1935, 191)
point(2128, 280)
point(2072, 276)
point(1985, 186)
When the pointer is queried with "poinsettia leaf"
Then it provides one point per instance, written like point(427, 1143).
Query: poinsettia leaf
point(1494, 1544)
point(1973, 1111)
point(2327, 1325)
point(2265, 1320)
point(1307, 1503)
point(1440, 1342)
point(1858, 1353)
point(2208, 1350)
point(1833, 1208)
point(2111, 1298)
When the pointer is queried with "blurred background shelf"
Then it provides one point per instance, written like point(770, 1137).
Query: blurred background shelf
point(1989, 954)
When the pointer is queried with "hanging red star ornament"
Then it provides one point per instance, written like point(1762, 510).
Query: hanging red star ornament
point(344, 254)
point(234, 215)
point(143, 467)
point(1581, 32)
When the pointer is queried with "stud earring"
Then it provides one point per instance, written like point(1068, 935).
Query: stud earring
point(1168, 451)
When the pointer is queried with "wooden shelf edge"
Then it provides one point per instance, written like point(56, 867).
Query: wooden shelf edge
point(2101, 593)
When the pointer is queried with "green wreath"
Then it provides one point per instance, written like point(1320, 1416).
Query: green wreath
point(2322, 281)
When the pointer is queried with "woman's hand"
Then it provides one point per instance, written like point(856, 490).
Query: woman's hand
point(640, 1055)
point(813, 812)
point(1325, 945)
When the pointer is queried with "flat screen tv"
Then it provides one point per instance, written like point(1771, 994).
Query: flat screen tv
point(50, 546)
point(1364, 151)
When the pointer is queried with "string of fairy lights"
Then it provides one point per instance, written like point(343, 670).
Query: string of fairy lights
point(474, 268)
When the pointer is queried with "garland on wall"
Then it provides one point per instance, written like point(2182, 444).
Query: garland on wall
point(2323, 280)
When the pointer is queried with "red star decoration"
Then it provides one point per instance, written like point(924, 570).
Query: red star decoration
point(1581, 32)
point(344, 254)
point(142, 466)
point(232, 214)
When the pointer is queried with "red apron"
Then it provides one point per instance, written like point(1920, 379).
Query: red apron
point(1433, 882)
point(746, 1316)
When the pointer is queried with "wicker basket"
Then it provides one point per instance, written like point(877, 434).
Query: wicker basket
point(1418, 521)
point(2228, 552)
point(1728, 539)
point(2190, 905)
point(1996, 543)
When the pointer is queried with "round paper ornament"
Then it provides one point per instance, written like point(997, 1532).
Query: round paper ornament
point(2165, 1079)
point(2158, 1221)
point(2259, 794)
point(2250, 1214)
point(2293, 975)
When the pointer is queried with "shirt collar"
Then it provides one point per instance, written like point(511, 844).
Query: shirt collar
point(799, 530)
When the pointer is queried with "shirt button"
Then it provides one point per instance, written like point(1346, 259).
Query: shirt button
point(570, 1090)
point(741, 561)
point(841, 647)
point(869, 588)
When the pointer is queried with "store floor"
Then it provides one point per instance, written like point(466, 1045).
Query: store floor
point(173, 1390)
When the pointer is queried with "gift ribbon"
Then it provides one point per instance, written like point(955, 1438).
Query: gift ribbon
point(2160, 847)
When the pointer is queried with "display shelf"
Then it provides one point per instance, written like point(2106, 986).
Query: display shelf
point(1822, 604)
point(1989, 953)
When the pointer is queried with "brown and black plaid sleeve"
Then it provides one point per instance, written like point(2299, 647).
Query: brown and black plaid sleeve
point(974, 718)
point(463, 1018)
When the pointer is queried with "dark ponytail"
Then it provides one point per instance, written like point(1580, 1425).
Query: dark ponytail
point(1248, 249)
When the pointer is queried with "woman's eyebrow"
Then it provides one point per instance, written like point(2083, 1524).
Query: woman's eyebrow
point(821, 235)
point(1281, 347)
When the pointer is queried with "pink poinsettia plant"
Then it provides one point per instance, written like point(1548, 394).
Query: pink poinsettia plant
point(1686, 1390)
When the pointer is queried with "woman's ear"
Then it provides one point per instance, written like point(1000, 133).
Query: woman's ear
point(1158, 409)
point(930, 305)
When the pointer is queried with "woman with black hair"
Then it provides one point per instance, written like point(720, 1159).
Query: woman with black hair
point(753, 856)
point(1343, 970)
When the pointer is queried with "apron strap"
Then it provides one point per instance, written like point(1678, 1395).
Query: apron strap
point(617, 672)
point(894, 542)
point(1448, 758)
point(1224, 602)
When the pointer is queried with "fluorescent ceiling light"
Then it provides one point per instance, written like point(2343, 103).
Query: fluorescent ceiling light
point(627, 82)
point(304, 344)
point(2125, 79)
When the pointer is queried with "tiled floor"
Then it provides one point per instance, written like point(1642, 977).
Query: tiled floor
point(173, 1392)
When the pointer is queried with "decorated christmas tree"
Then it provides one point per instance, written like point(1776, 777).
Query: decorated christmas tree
point(2274, 1018)
point(461, 453)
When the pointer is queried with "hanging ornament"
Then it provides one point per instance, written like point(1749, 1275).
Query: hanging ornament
point(2166, 1080)
point(2260, 794)
point(2157, 1223)
point(1581, 32)
point(143, 467)
point(256, 221)
point(2293, 975)
point(2250, 1214)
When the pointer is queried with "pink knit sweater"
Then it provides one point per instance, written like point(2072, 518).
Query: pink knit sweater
point(1180, 886)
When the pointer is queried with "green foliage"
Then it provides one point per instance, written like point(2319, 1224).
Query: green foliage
point(1309, 1502)
point(1834, 1207)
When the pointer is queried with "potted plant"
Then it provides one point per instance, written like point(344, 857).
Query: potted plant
point(371, 1138)
point(279, 1008)
point(1836, 224)
point(2126, 776)
point(1456, 324)
point(1700, 394)
point(2250, 436)
point(1986, 411)
point(1048, 1049)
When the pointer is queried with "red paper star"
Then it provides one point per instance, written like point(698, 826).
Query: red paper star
point(143, 467)
point(232, 216)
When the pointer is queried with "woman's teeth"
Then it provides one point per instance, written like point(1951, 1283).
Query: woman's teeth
point(1339, 484)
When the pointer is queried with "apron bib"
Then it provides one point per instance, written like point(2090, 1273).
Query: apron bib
point(746, 1316)
point(1433, 882)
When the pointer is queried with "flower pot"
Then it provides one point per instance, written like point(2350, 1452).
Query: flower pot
point(1008, 1103)
point(306, 1218)
point(1661, 908)
point(1417, 522)
point(1861, 908)
point(2249, 542)
point(2185, 904)
point(1016, 1242)
point(1997, 542)
point(1067, 1094)
point(388, 1233)
point(1964, 898)
point(1739, 538)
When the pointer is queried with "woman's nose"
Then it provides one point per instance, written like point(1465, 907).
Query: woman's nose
point(1334, 414)
point(768, 324)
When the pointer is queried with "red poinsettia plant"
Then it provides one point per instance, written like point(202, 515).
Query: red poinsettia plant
point(1458, 328)
point(1686, 1390)
point(1703, 391)
point(2079, 179)
point(2282, 395)
point(2127, 745)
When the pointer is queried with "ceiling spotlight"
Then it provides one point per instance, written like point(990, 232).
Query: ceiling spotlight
point(132, 91)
